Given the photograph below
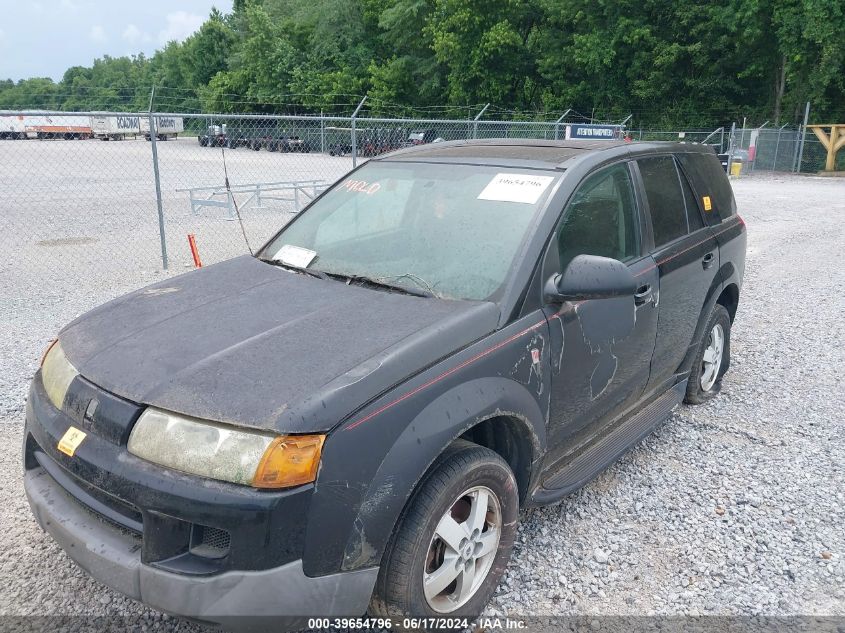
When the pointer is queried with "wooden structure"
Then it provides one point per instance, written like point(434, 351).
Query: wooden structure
point(833, 142)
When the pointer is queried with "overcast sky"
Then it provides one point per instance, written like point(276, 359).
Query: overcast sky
point(43, 38)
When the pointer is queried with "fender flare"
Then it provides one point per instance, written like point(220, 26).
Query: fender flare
point(418, 446)
point(727, 275)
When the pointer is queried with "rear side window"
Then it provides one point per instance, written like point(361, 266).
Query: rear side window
point(710, 181)
point(665, 198)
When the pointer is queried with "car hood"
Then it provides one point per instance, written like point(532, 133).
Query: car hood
point(247, 343)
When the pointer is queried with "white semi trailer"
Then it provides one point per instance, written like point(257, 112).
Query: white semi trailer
point(167, 127)
point(115, 127)
point(12, 127)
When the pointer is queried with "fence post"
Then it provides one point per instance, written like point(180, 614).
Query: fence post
point(153, 132)
point(322, 133)
point(558, 122)
point(731, 141)
point(757, 146)
point(722, 141)
point(777, 147)
point(803, 136)
point(354, 136)
point(475, 121)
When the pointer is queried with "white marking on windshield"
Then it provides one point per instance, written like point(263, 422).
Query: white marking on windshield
point(295, 256)
point(524, 188)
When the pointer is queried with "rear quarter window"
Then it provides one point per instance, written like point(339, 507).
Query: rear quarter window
point(709, 180)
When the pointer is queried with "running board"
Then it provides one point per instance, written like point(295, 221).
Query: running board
point(581, 469)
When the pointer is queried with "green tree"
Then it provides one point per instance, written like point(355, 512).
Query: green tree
point(670, 63)
point(489, 49)
point(206, 52)
point(406, 70)
point(37, 93)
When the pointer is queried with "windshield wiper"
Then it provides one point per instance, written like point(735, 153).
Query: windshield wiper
point(319, 274)
point(378, 283)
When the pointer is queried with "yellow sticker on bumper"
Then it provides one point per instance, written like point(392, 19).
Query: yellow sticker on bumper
point(71, 440)
point(707, 204)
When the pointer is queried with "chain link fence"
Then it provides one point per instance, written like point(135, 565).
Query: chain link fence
point(95, 200)
point(774, 149)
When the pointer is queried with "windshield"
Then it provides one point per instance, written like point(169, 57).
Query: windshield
point(451, 230)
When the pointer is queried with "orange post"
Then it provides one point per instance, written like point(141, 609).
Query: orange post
point(192, 242)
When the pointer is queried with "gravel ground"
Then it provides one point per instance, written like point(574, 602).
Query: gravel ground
point(733, 507)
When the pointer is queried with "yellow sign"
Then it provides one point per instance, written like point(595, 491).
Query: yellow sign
point(708, 206)
point(71, 440)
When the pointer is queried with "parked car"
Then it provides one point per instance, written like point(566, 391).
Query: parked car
point(352, 419)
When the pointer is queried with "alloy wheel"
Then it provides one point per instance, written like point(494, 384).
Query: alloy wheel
point(711, 361)
point(462, 550)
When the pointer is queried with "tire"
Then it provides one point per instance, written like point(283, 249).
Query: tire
point(463, 475)
point(705, 380)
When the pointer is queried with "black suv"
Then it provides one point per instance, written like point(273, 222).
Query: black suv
point(352, 419)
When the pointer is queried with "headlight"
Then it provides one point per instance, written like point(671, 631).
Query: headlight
point(218, 451)
point(56, 373)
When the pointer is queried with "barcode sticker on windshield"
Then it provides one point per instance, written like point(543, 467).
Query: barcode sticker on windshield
point(525, 188)
point(295, 256)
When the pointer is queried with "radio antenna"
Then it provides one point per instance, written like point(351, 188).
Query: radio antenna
point(234, 202)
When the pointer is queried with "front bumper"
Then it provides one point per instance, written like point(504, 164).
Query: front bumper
point(113, 557)
point(180, 543)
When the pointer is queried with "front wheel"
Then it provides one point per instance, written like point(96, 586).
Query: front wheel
point(453, 542)
point(712, 359)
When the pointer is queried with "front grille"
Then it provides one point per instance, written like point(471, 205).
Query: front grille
point(112, 524)
point(100, 504)
point(210, 542)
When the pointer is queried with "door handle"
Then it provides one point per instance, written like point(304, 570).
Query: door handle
point(707, 261)
point(642, 294)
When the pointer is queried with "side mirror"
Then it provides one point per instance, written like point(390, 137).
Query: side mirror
point(590, 277)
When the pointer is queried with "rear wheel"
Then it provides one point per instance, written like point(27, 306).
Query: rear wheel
point(713, 358)
point(453, 542)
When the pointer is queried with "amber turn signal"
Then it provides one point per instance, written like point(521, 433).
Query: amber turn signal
point(290, 460)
